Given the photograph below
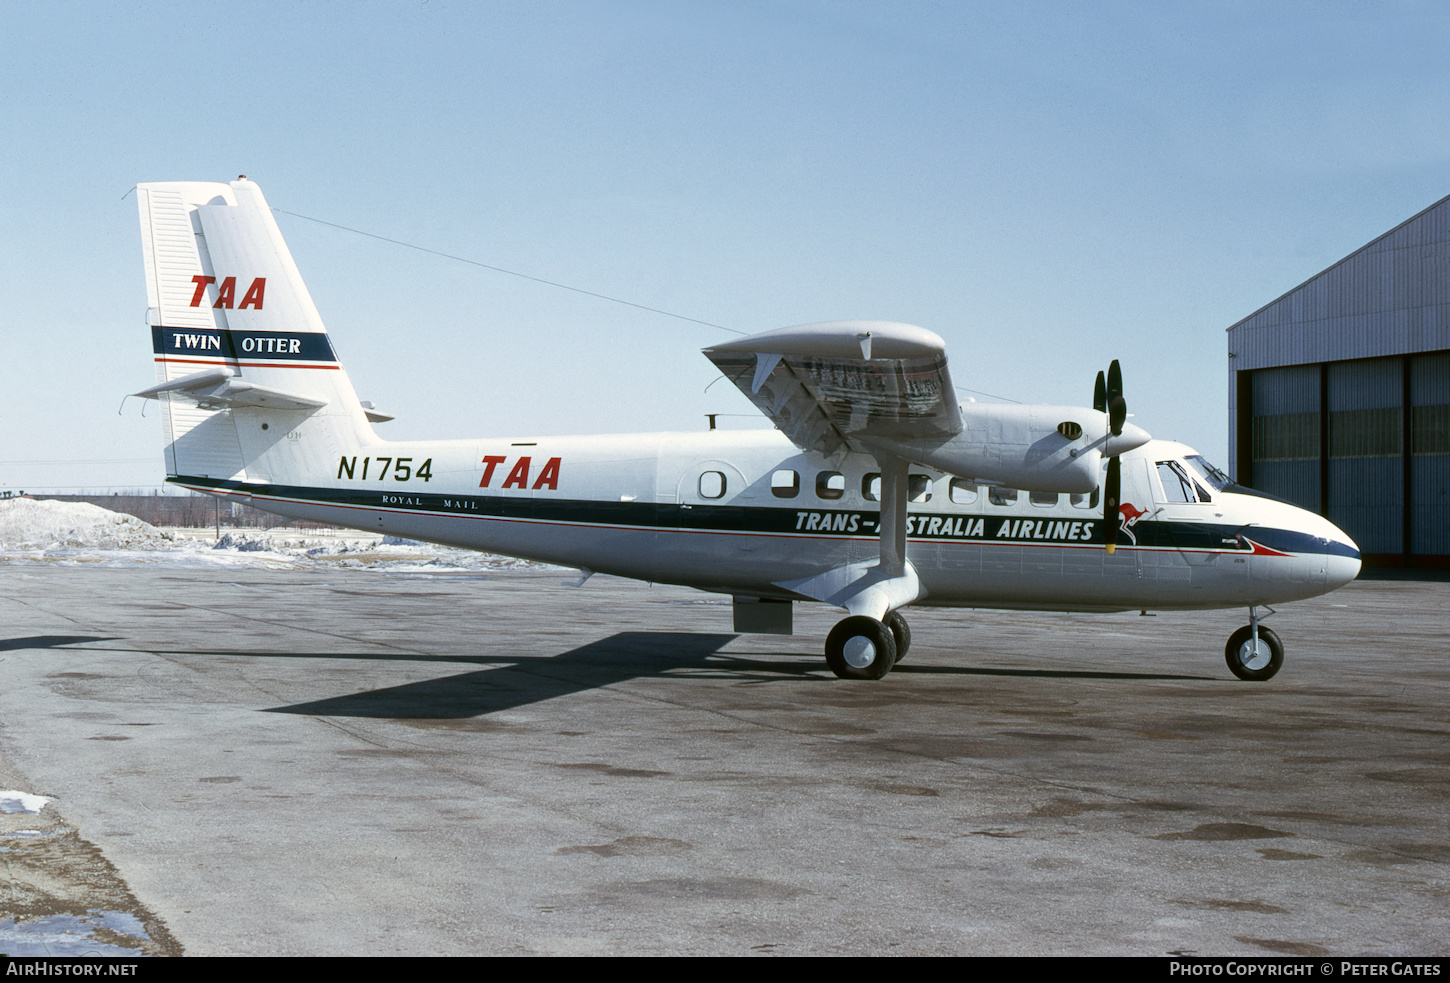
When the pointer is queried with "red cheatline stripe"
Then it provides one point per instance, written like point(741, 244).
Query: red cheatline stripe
point(1262, 550)
point(239, 363)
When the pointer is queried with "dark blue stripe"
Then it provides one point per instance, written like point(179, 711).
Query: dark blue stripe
point(1291, 541)
point(759, 519)
point(267, 346)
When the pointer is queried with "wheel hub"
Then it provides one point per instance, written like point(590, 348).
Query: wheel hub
point(1255, 654)
point(858, 652)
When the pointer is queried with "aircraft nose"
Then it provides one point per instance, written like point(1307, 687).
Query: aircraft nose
point(1341, 560)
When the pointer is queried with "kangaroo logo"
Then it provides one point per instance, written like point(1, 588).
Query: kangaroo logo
point(1130, 515)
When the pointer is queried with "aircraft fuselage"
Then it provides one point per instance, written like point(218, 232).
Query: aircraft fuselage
point(742, 512)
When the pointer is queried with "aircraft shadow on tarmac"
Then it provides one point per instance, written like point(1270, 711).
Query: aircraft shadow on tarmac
point(513, 681)
point(49, 641)
point(522, 681)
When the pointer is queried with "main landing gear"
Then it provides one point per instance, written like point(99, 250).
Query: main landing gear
point(864, 648)
point(1254, 652)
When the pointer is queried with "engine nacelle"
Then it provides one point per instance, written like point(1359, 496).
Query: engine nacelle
point(1032, 447)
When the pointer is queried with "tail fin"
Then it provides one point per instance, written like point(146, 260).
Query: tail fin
point(250, 387)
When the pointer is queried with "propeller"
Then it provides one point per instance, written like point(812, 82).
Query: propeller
point(1108, 398)
point(1111, 494)
point(1117, 407)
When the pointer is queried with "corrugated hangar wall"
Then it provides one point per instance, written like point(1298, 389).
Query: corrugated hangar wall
point(1339, 394)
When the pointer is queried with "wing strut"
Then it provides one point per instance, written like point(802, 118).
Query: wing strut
point(873, 588)
point(895, 495)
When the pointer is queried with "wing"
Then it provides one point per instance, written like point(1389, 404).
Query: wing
point(825, 386)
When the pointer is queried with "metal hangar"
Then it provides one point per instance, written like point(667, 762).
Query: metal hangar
point(1339, 394)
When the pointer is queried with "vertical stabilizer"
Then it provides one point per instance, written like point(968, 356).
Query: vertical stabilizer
point(226, 304)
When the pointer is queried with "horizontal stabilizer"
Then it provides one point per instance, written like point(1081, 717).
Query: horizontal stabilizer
point(376, 415)
point(825, 385)
point(219, 389)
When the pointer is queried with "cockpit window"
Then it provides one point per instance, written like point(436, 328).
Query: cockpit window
point(1178, 486)
point(1211, 475)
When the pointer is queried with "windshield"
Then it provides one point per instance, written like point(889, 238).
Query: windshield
point(1210, 474)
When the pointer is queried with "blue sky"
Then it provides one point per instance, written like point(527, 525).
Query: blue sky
point(1046, 185)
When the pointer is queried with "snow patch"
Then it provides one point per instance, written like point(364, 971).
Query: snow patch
point(69, 936)
point(13, 801)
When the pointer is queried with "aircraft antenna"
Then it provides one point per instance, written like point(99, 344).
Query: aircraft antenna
point(500, 269)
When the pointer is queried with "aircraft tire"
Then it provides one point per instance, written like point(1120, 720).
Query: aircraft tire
point(901, 632)
point(1244, 663)
point(860, 648)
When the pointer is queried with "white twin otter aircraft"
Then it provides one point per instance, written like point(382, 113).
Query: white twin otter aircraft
point(875, 491)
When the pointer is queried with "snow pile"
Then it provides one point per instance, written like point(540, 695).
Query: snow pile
point(240, 543)
point(397, 555)
point(389, 554)
point(78, 533)
point(26, 524)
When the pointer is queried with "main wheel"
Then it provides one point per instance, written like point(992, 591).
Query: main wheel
point(901, 632)
point(1248, 662)
point(860, 648)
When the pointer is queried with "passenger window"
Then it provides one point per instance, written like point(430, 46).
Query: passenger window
point(1002, 496)
point(1089, 501)
point(962, 492)
point(918, 487)
point(830, 485)
point(712, 485)
point(785, 483)
point(1043, 499)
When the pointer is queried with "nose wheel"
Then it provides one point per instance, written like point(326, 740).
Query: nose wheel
point(861, 648)
point(1251, 658)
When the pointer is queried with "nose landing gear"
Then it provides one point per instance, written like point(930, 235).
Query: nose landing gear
point(1254, 652)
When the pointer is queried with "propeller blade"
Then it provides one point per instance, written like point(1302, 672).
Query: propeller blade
point(1112, 491)
point(1100, 394)
point(1117, 406)
point(1117, 415)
